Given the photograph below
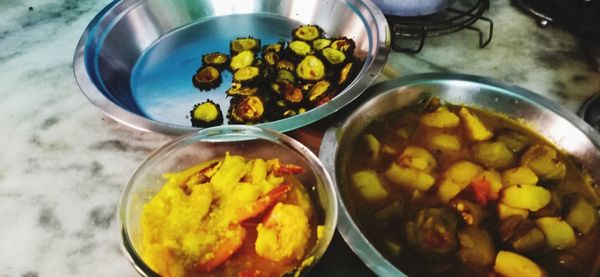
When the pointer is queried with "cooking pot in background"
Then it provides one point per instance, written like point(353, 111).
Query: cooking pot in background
point(412, 7)
point(579, 17)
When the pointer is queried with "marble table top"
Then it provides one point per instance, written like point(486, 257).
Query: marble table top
point(63, 163)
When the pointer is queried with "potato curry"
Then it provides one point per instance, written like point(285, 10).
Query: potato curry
point(229, 217)
point(449, 190)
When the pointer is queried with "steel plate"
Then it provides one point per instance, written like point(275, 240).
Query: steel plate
point(136, 58)
point(560, 126)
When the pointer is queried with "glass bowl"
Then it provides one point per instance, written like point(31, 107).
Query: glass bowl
point(211, 143)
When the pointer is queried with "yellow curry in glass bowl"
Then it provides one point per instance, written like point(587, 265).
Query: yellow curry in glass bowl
point(228, 201)
point(206, 214)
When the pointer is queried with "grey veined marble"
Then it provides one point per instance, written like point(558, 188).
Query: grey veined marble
point(63, 163)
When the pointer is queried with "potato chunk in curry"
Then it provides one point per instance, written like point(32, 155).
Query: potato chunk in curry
point(456, 178)
point(493, 154)
point(441, 118)
point(474, 128)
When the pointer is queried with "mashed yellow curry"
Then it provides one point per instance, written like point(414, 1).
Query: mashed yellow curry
point(229, 216)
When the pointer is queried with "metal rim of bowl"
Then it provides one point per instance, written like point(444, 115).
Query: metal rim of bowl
point(113, 11)
point(413, 8)
point(228, 134)
point(347, 226)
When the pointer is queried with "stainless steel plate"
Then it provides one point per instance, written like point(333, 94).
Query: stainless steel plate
point(136, 58)
point(560, 126)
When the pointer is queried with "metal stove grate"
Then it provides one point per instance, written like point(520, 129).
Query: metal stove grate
point(461, 15)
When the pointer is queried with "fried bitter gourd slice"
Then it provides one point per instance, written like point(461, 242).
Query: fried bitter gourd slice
point(247, 75)
point(215, 59)
point(241, 60)
point(285, 64)
point(207, 78)
point(292, 94)
point(347, 73)
point(283, 74)
point(321, 43)
point(276, 47)
point(206, 114)
point(298, 49)
point(248, 109)
point(271, 53)
point(318, 90)
point(311, 68)
point(242, 44)
point(237, 89)
point(344, 44)
point(333, 57)
point(307, 32)
point(287, 91)
point(270, 57)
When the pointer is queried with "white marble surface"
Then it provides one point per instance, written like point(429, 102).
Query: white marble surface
point(63, 163)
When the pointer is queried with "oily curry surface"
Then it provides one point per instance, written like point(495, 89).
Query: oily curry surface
point(232, 216)
point(454, 191)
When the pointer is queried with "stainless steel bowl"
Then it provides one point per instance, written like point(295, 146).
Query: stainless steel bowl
point(412, 7)
point(136, 58)
point(557, 124)
point(212, 143)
